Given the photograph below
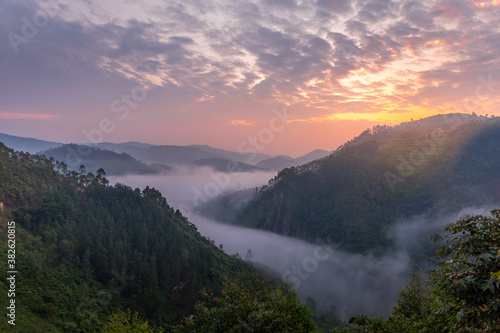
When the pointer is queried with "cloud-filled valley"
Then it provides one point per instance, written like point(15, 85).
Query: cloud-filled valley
point(339, 281)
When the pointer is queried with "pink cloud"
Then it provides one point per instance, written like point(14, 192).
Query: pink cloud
point(18, 115)
point(241, 122)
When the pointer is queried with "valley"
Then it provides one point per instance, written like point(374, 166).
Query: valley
point(311, 251)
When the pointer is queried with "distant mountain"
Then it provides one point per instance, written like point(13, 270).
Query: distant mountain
point(160, 155)
point(314, 155)
point(136, 144)
point(173, 155)
point(178, 155)
point(228, 166)
point(438, 164)
point(276, 163)
point(247, 158)
point(161, 168)
point(29, 145)
point(95, 158)
point(280, 162)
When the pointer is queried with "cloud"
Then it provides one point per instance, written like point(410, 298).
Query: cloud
point(285, 4)
point(16, 115)
point(354, 27)
point(335, 6)
point(241, 122)
point(377, 10)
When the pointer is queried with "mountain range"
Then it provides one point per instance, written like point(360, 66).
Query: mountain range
point(143, 158)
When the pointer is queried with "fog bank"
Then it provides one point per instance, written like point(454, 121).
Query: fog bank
point(352, 283)
point(347, 283)
point(188, 187)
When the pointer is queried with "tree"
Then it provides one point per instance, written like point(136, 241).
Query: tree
point(416, 309)
point(250, 303)
point(127, 322)
point(101, 177)
point(82, 174)
point(248, 256)
point(466, 276)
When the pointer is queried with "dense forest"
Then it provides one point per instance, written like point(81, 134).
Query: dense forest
point(87, 250)
point(437, 164)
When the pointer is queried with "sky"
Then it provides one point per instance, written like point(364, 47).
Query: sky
point(282, 76)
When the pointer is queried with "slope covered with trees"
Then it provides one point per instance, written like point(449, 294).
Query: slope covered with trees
point(442, 163)
point(86, 249)
point(25, 179)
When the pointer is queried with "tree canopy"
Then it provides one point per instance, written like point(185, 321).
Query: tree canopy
point(250, 303)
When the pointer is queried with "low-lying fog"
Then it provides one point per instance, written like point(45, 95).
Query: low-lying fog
point(188, 187)
point(351, 283)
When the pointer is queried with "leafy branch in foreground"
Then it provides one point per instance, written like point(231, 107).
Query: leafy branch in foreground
point(467, 279)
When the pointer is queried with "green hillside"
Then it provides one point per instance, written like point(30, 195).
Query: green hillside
point(437, 164)
point(85, 249)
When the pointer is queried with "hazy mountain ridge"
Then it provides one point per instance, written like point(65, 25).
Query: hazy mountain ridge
point(95, 158)
point(280, 162)
point(155, 158)
point(227, 166)
point(29, 145)
point(247, 158)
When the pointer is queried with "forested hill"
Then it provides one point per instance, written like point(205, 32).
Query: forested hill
point(93, 158)
point(441, 163)
point(85, 249)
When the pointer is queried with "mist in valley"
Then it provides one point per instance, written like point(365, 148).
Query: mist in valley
point(344, 283)
point(189, 187)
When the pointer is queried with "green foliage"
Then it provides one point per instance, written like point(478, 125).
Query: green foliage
point(250, 303)
point(417, 309)
point(25, 179)
point(466, 278)
point(364, 323)
point(127, 322)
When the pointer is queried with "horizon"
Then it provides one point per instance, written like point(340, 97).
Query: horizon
point(201, 144)
point(287, 76)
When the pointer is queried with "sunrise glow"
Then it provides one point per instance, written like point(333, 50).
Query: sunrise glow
point(177, 72)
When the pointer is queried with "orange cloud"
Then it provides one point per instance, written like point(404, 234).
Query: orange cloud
point(382, 117)
point(481, 4)
point(241, 122)
point(18, 115)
